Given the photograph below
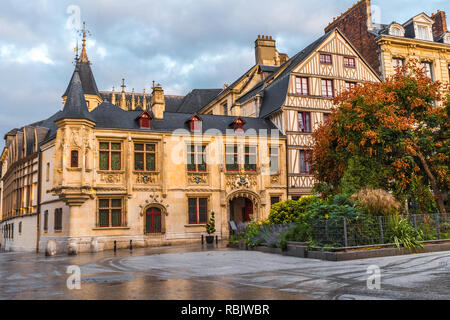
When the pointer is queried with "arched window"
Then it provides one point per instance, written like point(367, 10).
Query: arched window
point(153, 220)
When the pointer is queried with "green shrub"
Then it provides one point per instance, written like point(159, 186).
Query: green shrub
point(288, 211)
point(211, 225)
point(300, 231)
point(404, 234)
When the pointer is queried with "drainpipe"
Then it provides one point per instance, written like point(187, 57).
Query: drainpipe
point(38, 231)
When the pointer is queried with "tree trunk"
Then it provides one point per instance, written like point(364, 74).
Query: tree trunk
point(433, 183)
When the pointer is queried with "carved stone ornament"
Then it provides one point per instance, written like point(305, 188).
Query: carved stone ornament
point(241, 180)
point(198, 178)
point(154, 198)
point(275, 179)
point(110, 177)
point(75, 138)
point(146, 178)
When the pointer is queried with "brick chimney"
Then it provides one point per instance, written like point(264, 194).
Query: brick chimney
point(266, 52)
point(157, 102)
point(440, 23)
point(356, 24)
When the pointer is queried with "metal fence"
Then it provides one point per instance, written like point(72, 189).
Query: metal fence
point(376, 230)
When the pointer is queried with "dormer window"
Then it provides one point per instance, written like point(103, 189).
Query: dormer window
point(239, 125)
point(423, 33)
point(144, 120)
point(397, 30)
point(195, 123)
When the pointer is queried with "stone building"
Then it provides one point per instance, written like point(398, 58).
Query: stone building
point(385, 46)
point(147, 171)
point(296, 96)
point(20, 187)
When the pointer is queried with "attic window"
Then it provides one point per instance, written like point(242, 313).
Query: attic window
point(326, 59)
point(195, 123)
point(423, 33)
point(396, 31)
point(447, 39)
point(349, 62)
point(239, 125)
point(144, 120)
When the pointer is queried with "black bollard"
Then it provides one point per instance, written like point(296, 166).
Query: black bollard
point(202, 240)
point(217, 239)
point(131, 245)
point(115, 246)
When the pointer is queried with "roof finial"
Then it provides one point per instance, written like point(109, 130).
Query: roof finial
point(76, 52)
point(123, 99)
point(84, 32)
point(113, 97)
point(144, 102)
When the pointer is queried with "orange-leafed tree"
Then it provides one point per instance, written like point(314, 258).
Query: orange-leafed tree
point(400, 124)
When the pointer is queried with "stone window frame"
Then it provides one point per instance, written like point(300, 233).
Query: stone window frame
point(278, 155)
point(195, 152)
point(197, 198)
point(145, 152)
point(123, 215)
point(110, 151)
point(58, 220)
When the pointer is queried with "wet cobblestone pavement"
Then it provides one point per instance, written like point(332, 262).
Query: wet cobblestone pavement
point(194, 272)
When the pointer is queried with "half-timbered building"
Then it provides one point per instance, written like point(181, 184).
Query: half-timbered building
point(297, 97)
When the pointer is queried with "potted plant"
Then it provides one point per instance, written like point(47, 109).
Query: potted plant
point(210, 229)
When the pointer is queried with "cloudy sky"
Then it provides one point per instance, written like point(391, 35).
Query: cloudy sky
point(182, 44)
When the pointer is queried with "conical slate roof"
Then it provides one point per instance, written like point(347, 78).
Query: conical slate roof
point(87, 79)
point(75, 106)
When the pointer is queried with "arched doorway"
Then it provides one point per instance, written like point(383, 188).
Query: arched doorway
point(153, 220)
point(241, 210)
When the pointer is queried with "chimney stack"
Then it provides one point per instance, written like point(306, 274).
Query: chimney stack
point(440, 23)
point(157, 102)
point(266, 52)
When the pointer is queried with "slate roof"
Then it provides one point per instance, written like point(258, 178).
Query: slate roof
point(109, 116)
point(410, 33)
point(441, 37)
point(75, 106)
point(87, 79)
point(275, 93)
point(196, 100)
point(265, 68)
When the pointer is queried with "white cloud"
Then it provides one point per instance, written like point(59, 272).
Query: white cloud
point(12, 54)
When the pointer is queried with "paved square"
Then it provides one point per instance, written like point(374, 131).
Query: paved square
point(195, 273)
